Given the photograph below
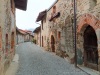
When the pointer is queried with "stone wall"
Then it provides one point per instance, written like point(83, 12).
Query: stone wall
point(62, 24)
point(88, 12)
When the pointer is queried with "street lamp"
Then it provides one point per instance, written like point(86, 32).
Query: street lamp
point(75, 33)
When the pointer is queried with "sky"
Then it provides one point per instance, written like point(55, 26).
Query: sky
point(26, 19)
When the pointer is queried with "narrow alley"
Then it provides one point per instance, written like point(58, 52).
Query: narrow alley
point(33, 60)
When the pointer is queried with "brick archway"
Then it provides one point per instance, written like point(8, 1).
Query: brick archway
point(88, 19)
point(52, 41)
point(85, 21)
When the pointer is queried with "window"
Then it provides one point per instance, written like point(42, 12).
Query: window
point(6, 43)
point(12, 40)
point(42, 24)
point(59, 35)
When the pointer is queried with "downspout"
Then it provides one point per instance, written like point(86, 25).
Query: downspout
point(75, 46)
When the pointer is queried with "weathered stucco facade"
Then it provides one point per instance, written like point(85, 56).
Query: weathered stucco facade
point(7, 33)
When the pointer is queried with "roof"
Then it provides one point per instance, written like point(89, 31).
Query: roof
point(20, 31)
point(24, 32)
point(37, 29)
point(21, 4)
point(41, 15)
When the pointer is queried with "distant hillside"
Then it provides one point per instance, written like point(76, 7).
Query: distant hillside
point(31, 29)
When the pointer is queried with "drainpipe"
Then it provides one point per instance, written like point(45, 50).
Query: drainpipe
point(75, 44)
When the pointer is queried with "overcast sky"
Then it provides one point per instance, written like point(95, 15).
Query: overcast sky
point(26, 19)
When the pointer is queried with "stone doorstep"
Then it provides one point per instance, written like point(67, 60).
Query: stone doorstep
point(85, 69)
point(88, 70)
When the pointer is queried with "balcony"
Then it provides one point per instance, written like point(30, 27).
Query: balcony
point(56, 15)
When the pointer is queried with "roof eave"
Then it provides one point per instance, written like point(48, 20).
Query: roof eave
point(41, 15)
point(21, 4)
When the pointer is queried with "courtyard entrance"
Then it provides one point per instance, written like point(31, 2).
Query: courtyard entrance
point(90, 48)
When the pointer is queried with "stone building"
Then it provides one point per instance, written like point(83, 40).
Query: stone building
point(88, 33)
point(44, 28)
point(26, 37)
point(8, 31)
point(30, 35)
point(23, 36)
point(55, 24)
point(37, 36)
point(59, 25)
point(20, 35)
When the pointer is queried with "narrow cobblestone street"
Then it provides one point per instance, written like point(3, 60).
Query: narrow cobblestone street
point(33, 60)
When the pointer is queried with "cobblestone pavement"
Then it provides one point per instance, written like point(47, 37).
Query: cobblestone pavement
point(33, 60)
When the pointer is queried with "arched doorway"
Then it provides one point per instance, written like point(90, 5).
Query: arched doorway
point(90, 48)
point(52, 43)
